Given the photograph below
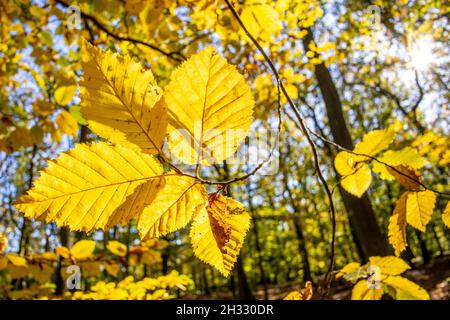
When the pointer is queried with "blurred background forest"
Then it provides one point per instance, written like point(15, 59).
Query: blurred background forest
point(351, 67)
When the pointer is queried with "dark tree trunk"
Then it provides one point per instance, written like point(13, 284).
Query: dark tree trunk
point(245, 293)
point(361, 214)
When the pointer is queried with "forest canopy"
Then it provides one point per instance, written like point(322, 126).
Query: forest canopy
point(198, 149)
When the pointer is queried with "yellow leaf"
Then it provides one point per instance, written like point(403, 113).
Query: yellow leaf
point(407, 176)
point(304, 294)
point(345, 163)
point(172, 202)
point(83, 249)
point(261, 19)
point(419, 207)
point(407, 156)
point(43, 108)
point(445, 215)
point(210, 109)
point(64, 94)
point(358, 182)
point(17, 260)
point(67, 124)
point(218, 233)
point(117, 248)
point(374, 142)
point(362, 291)
point(397, 225)
point(112, 268)
point(405, 289)
point(389, 265)
point(349, 268)
point(3, 242)
point(63, 252)
point(101, 177)
point(121, 100)
point(356, 175)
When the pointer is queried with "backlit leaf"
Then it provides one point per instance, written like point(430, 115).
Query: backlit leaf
point(82, 249)
point(218, 233)
point(117, 248)
point(397, 225)
point(389, 265)
point(121, 100)
point(84, 187)
point(419, 207)
point(210, 109)
point(171, 202)
point(405, 289)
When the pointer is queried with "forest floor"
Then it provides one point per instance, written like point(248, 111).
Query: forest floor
point(433, 277)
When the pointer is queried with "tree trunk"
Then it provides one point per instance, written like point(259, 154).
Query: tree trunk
point(361, 214)
point(245, 293)
point(257, 245)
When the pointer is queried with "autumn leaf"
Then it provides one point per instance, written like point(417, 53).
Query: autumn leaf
point(84, 186)
point(356, 176)
point(210, 109)
point(374, 142)
point(121, 100)
point(389, 265)
point(405, 289)
point(218, 233)
point(260, 19)
point(397, 225)
point(419, 207)
point(112, 268)
point(304, 294)
point(362, 291)
point(175, 200)
point(17, 260)
point(406, 176)
point(82, 249)
point(67, 124)
point(117, 248)
point(407, 156)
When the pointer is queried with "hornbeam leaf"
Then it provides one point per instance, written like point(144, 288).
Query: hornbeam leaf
point(209, 108)
point(121, 100)
point(397, 225)
point(419, 207)
point(405, 289)
point(218, 233)
point(84, 187)
point(175, 200)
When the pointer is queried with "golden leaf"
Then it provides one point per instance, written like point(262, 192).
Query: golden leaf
point(171, 202)
point(419, 207)
point(66, 123)
point(121, 100)
point(374, 142)
point(117, 248)
point(210, 109)
point(83, 187)
point(218, 233)
point(389, 265)
point(405, 289)
point(363, 291)
point(397, 225)
point(83, 249)
point(406, 176)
